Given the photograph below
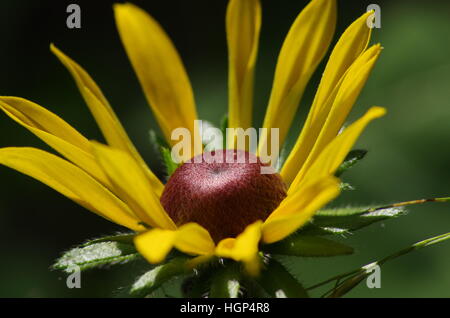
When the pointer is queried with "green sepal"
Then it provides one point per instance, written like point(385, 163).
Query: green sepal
point(96, 255)
point(354, 218)
point(350, 160)
point(344, 186)
point(308, 246)
point(225, 282)
point(157, 141)
point(163, 149)
point(170, 165)
point(279, 283)
point(223, 129)
point(156, 277)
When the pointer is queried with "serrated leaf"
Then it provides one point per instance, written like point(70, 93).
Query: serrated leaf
point(352, 158)
point(153, 279)
point(226, 282)
point(126, 238)
point(308, 246)
point(354, 218)
point(95, 255)
point(279, 283)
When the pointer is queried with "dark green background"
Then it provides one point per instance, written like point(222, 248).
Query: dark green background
point(409, 148)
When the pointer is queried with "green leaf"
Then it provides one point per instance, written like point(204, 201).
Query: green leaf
point(352, 158)
point(157, 276)
point(353, 278)
point(279, 283)
point(226, 282)
point(353, 218)
point(126, 238)
point(308, 246)
point(95, 255)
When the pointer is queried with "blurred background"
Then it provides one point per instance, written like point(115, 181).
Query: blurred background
point(409, 153)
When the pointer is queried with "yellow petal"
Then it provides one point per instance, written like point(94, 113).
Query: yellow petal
point(334, 153)
point(158, 68)
point(130, 183)
point(304, 47)
point(243, 248)
point(70, 181)
point(332, 120)
point(55, 132)
point(107, 120)
point(243, 25)
point(318, 132)
point(155, 244)
point(350, 46)
point(190, 238)
point(298, 208)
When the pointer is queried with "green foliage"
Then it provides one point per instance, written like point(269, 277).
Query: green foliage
point(95, 255)
point(163, 149)
point(226, 282)
point(352, 158)
point(342, 220)
point(156, 277)
point(279, 283)
point(344, 186)
point(308, 246)
point(346, 282)
point(126, 238)
point(223, 129)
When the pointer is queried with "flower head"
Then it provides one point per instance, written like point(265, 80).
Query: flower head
point(209, 209)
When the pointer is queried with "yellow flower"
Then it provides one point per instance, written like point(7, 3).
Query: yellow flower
point(113, 180)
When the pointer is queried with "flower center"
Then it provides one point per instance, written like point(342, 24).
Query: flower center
point(223, 191)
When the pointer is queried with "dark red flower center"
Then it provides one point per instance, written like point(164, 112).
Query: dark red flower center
point(223, 191)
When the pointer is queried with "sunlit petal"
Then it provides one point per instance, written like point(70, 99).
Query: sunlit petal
point(298, 208)
point(243, 248)
point(70, 181)
point(190, 238)
point(130, 184)
point(348, 49)
point(55, 132)
point(304, 47)
point(104, 115)
point(334, 153)
point(158, 68)
point(243, 24)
